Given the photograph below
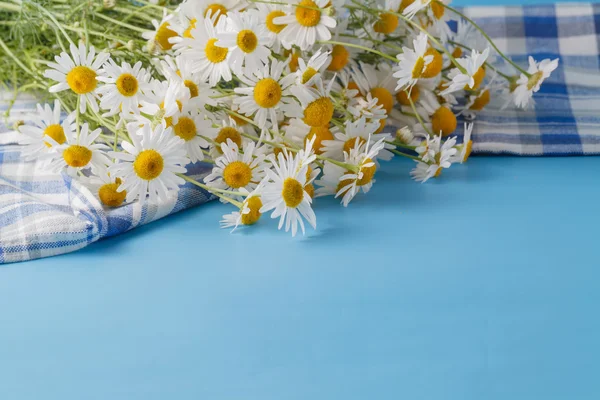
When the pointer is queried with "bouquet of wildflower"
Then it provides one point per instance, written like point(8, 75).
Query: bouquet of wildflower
point(288, 101)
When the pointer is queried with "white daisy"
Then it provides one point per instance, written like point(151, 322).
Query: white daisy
point(162, 37)
point(368, 107)
point(284, 193)
point(308, 73)
point(266, 14)
point(355, 133)
point(150, 163)
point(346, 183)
point(526, 87)
point(306, 22)
point(79, 152)
point(179, 69)
point(189, 126)
point(105, 188)
point(378, 82)
point(220, 132)
point(125, 87)
point(166, 100)
point(300, 133)
point(415, 7)
point(434, 157)
point(249, 214)
point(267, 95)
point(78, 72)
point(467, 144)
point(247, 42)
point(234, 170)
point(412, 63)
point(47, 131)
point(317, 107)
point(209, 61)
point(473, 75)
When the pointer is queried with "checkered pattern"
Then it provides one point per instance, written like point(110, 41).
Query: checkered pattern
point(43, 214)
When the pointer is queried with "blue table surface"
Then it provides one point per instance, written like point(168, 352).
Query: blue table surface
point(482, 284)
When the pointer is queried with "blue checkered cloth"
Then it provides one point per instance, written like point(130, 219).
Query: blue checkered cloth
point(44, 214)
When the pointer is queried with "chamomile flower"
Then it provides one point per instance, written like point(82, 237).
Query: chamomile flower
point(106, 189)
point(284, 193)
point(266, 14)
point(308, 73)
point(163, 35)
point(306, 22)
point(368, 107)
point(179, 69)
point(235, 170)
point(216, 8)
point(249, 214)
point(527, 86)
point(378, 82)
point(416, 6)
point(267, 95)
point(467, 145)
point(317, 107)
point(347, 183)
point(47, 131)
point(79, 152)
point(125, 87)
point(434, 159)
point(412, 63)
point(246, 41)
point(209, 61)
point(300, 133)
point(189, 126)
point(150, 163)
point(167, 100)
point(355, 133)
point(473, 73)
point(78, 72)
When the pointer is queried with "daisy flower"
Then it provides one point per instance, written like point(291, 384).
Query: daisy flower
point(150, 163)
point(368, 107)
point(47, 131)
point(179, 69)
point(355, 133)
point(527, 86)
point(346, 183)
point(306, 22)
point(210, 61)
point(412, 63)
point(249, 214)
point(166, 100)
point(301, 133)
point(78, 72)
point(433, 161)
point(105, 188)
point(267, 95)
point(378, 82)
point(189, 126)
point(219, 133)
point(162, 35)
point(467, 146)
point(284, 193)
point(246, 41)
point(308, 73)
point(416, 6)
point(233, 171)
point(266, 14)
point(317, 107)
point(79, 152)
point(124, 89)
point(473, 75)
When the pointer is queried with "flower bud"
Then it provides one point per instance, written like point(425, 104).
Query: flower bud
point(404, 135)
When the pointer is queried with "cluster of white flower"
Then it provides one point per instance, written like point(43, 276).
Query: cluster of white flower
point(288, 100)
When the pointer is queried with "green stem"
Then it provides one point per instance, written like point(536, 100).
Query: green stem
point(405, 155)
point(123, 24)
point(412, 105)
point(364, 48)
point(217, 192)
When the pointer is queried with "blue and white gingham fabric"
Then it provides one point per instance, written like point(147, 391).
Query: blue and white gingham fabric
point(44, 214)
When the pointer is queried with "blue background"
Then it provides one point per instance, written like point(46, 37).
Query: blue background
point(482, 284)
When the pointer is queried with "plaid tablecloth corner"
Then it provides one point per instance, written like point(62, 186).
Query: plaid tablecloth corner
point(43, 214)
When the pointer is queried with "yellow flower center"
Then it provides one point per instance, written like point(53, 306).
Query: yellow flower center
point(237, 174)
point(254, 203)
point(534, 79)
point(212, 10)
point(309, 73)
point(481, 101)
point(82, 79)
point(148, 164)
point(384, 98)
point(310, 189)
point(267, 93)
point(77, 156)
point(109, 196)
point(185, 128)
point(404, 4)
point(367, 172)
point(188, 32)
point(438, 9)
point(478, 78)
point(386, 24)
point(163, 34)
point(273, 27)
point(228, 133)
point(352, 143)
point(444, 121)
point(339, 58)
point(308, 16)
point(468, 150)
point(403, 97)
point(320, 133)
point(417, 71)
point(435, 66)
point(292, 192)
point(127, 85)
point(293, 60)
point(215, 54)
point(438, 172)
point(247, 41)
point(319, 112)
point(381, 125)
point(457, 52)
point(56, 132)
point(192, 87)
